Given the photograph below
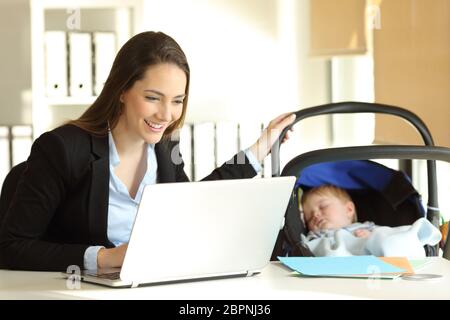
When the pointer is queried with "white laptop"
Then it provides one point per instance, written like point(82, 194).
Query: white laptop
point(195, 230)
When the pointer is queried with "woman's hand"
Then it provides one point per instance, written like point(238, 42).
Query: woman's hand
point(261, 148)
point(111, 258)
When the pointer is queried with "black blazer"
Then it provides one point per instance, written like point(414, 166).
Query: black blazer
point(60, 207)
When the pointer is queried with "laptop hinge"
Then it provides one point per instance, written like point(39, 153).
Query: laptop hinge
point(134, 284)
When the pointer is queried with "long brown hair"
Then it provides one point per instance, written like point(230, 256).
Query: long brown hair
point(136, 55)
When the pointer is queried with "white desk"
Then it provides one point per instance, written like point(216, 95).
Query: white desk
point(275, 282)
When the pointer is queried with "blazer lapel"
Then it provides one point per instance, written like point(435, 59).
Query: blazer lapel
point(166, 168)
point(99, 193)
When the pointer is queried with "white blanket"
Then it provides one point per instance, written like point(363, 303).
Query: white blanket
point(404, 241)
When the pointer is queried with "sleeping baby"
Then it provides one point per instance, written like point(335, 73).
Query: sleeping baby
point(330, 215)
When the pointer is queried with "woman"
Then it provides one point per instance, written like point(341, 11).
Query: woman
point(76, 201)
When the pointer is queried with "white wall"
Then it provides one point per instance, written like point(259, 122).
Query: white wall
point(234, 55)
point(353, 80)
point(249, 60)
point(15, 62)
point(312, 85)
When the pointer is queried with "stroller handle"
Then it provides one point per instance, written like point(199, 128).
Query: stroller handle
point(300, 162)
point(350, 107)
point(364, 107)
point(296, 165)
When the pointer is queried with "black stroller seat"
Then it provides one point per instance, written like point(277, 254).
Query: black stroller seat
point(381, 195)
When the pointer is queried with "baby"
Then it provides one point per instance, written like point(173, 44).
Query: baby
point(328, 208)
point(330, 215)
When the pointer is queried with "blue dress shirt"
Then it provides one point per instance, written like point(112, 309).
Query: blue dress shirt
point(122, 208)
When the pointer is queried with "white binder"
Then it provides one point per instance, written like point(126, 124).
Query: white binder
point(104, 54)
point(21, 143)
point(226, 141)
point(56, 64)
point(4, 152)
point(249, 132)
point(204, 156)
point(186, 149)
point(80, 64)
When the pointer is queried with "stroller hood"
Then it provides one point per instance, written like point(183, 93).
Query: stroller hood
point(369, 182)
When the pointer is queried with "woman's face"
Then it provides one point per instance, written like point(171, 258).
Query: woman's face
point(323, 212)
point(154, 102)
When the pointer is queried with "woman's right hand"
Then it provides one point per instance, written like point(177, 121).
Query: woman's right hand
point(262, 147)
point(111, 258)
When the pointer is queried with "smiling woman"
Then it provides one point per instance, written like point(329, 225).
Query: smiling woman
point(77, 198)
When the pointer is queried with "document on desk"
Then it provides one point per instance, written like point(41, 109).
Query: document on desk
point(352, 266)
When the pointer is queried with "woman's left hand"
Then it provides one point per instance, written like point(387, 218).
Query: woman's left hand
point(261, 148)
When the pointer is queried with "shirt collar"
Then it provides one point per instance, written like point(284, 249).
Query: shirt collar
point(114, 159)
point(114, 155)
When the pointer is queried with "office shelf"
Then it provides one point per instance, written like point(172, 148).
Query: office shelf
point(124, 18)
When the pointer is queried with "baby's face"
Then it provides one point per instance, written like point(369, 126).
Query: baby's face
point(327, 212)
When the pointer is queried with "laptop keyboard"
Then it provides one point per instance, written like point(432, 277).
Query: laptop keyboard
point(109, 276)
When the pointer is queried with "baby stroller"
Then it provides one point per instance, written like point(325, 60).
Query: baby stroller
point(380, 194)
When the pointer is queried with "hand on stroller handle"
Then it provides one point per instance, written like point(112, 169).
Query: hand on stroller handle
point(261, 148)
point(364, 107)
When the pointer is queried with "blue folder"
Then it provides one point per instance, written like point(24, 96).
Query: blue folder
point(340, 266)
